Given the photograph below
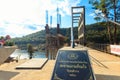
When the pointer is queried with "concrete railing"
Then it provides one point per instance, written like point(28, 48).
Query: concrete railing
point(5, 52)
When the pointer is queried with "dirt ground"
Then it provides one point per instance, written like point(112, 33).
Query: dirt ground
point(105, 67)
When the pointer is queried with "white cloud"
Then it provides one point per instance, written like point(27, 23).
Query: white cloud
point(18, 30)
point(93, 14)
point(98, 11)
point(17, 15)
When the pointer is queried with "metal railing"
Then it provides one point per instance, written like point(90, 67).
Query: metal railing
point(100, 47)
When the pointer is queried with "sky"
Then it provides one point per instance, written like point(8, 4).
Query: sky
point(22, 17)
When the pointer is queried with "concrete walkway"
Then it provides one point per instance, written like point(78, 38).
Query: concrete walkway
point(105, 67)
point(5, 52)
point(34, 63)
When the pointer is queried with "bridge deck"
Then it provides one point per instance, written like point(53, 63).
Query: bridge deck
point(105, 66)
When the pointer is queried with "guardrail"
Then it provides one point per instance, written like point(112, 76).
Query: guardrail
point(100, 47)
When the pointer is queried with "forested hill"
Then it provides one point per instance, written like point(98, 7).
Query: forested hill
point(96, 33)
point(39, 37)
point(92, 31)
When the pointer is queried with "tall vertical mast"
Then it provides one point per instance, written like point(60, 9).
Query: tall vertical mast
point(46, 16)
point(57, 20)
point(57, 15)
point(50, 21)
point(47, 27)
point(47, 33)
point(60, 19)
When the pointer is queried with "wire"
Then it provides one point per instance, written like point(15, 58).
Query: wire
point(107, 19)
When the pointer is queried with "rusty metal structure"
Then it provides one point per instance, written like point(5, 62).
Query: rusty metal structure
point(52, 41)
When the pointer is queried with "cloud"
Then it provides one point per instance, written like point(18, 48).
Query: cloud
point(22, 17)
point(19, 30)
point(65, 5)
point(93, 14)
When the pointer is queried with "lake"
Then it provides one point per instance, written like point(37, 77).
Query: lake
point(23, 54)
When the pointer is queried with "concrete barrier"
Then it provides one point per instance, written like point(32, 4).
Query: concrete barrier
point(5, 52)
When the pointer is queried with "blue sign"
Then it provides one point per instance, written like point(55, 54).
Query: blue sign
point(72, 65)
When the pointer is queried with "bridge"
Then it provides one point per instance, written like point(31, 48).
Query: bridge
point(105, 65)
point(78, 19)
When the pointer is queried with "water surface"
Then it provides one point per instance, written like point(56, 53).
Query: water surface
point(23, 54)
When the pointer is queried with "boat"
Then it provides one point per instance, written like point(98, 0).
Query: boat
point(5, 52)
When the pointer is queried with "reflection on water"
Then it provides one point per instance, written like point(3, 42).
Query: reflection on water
point(23, 54)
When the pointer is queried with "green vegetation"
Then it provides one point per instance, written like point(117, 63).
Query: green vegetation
point(95, 33)
point(30, 51)
point(9, 43)
point(111, 10)
point(6, 41)
point(37, 38)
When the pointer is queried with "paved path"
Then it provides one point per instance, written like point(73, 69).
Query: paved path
point(105, 67)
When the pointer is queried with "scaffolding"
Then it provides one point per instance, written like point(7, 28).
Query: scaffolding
point(52, 40)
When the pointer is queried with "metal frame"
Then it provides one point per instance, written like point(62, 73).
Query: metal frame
point(77, 16)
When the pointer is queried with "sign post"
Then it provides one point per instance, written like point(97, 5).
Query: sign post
point(73, 65)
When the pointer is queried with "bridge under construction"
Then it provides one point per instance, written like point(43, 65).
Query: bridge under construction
point(105, 65)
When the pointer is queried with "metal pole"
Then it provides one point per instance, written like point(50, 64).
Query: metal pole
point(84, 26)
point(72, 36)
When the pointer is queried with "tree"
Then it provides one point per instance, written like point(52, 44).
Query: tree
point(109, 9)
point(7, 37)
point(9, 43)
point(2, 37)
point(30, 50)
point(97, 18)
point(96, 33)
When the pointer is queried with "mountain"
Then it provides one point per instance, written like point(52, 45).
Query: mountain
point(96, 33)
point(38, 38)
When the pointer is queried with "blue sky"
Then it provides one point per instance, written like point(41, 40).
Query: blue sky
point(21, 17)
